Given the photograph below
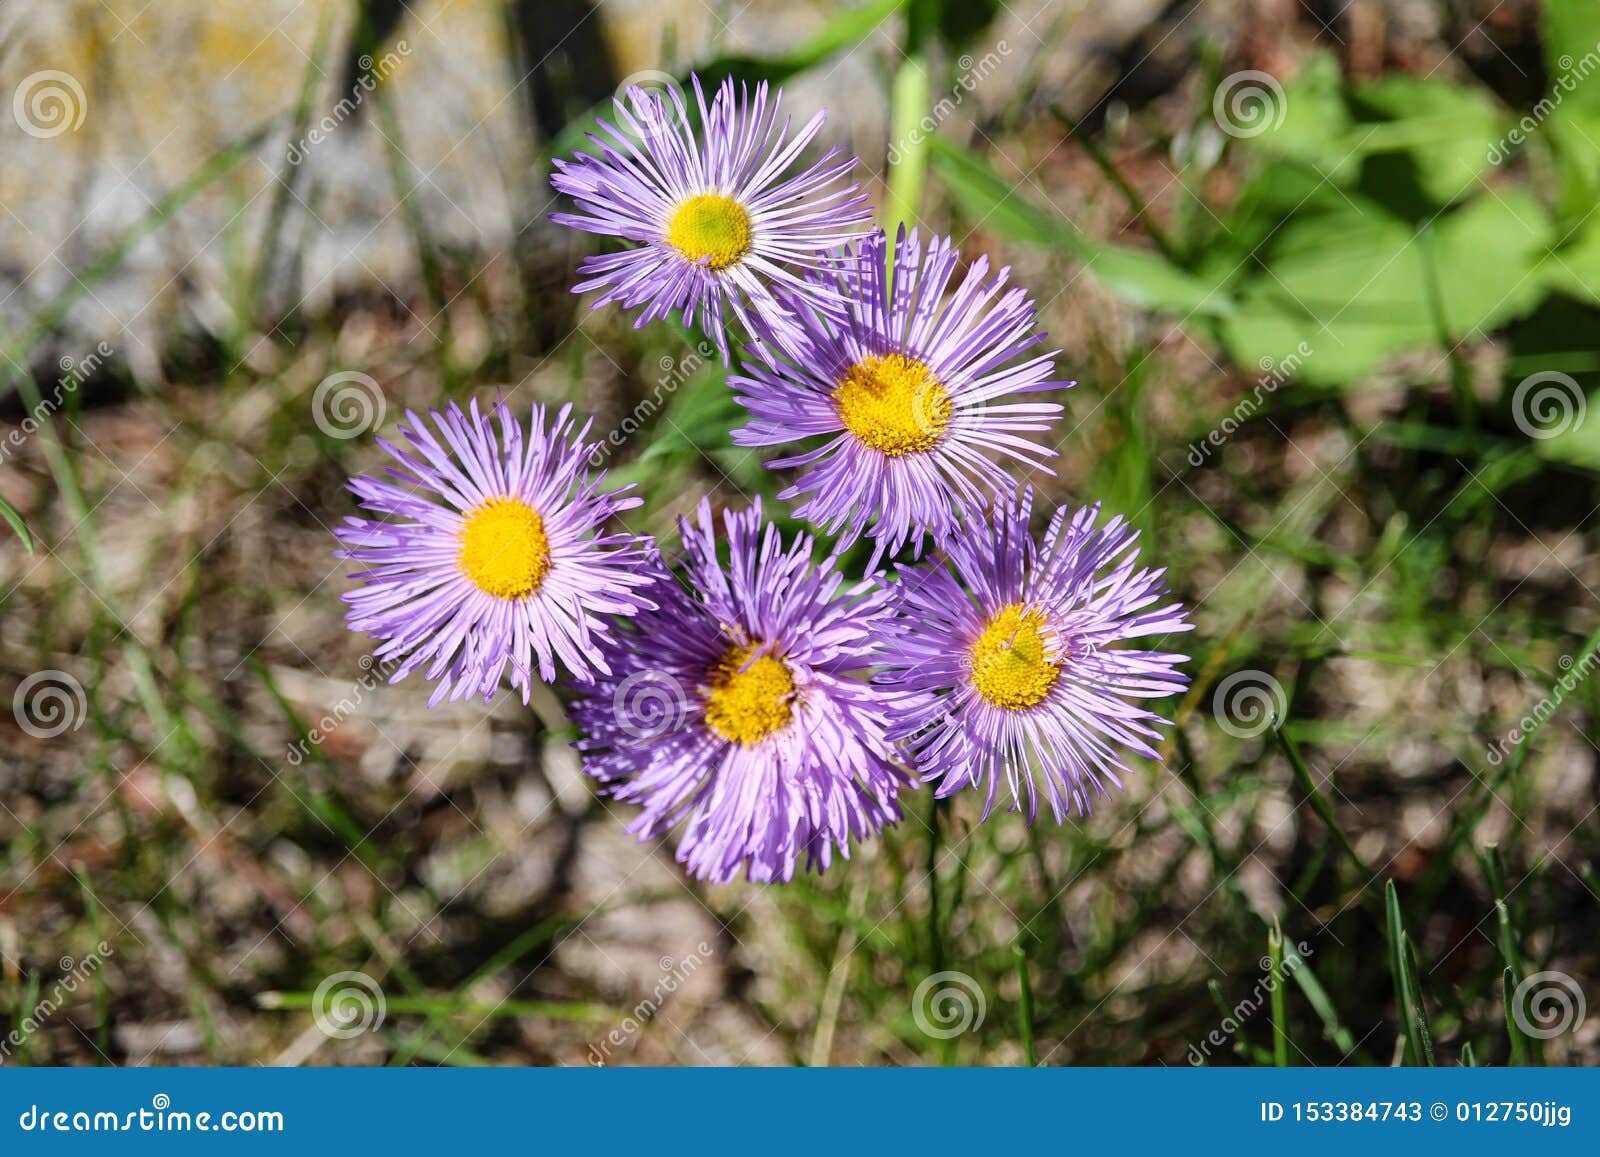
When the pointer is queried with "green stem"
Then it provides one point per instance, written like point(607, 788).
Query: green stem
point(909, 103)
point(1114, 175)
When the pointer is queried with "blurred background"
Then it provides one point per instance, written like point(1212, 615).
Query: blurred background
point(1327, 273)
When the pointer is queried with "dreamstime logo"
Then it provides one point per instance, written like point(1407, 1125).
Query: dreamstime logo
point(75, 973)
point(674, 373)
point(973, 73)
point(1548, 1004)
point(347, 405)
point(74, 372)
point(1249, 103)
point(1247, 703)
point(1573, 673)
point(49, 703)
point(347, 1004)
point(376, 672)
point(49, 103)
point(649, 703)
point(1572, 73)
point(674, 974)
point(1548, 404)
point(1273, 374)
point(373, 73)
point(947, 1004)
point(1267, 984)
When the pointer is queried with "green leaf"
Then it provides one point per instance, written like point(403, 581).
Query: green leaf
point(1575, 269)
point(1574, 135)
point(1579, 443)
point(1137, 275)
point(846, 30)
point(10, 514)
point(1571, 36)
point(1313, 120)
point(1568, 115)
point(699, 418)
point(1347, 284)
point(1449, 130)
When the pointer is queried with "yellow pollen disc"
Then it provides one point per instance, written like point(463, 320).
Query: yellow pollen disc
point(504, 550)
point(711, 230)
point(749, 698)
point(1011, 667)
point(893, 404)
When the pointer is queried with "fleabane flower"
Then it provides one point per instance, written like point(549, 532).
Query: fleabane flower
point(494, 556)
point(740, 708)
point(1011, 654)
point(721, 215)
point(912, 391)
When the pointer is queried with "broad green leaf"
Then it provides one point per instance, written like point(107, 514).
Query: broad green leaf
point(1555, 402)
point(1312, 121)
point(1348, 285)
point(1489, 252)
point(1569, 113)
point(1574, 136)
point(1571, 36)
point(1575, 269)
point(1281, 190)
point(1139, 276)
point(1449, 130)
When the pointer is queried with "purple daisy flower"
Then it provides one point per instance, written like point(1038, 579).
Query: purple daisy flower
point(497, 559)
point(1013, 650)
point(720, 218)
point(741, 707)
point(905, 390)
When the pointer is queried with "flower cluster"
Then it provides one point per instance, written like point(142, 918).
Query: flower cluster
point(748, 692)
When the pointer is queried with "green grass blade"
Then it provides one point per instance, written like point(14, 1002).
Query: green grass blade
point(10, 514)
point(1139, 276)
point(1024, 1006)
point(1521, 1046)
point(1408, 1000)
point(289, 174)
point(448, 1005)
point(1317, 997)
point(1524, 1050)
point(54, 312)
point(1280, 1021)
point(1318, 801)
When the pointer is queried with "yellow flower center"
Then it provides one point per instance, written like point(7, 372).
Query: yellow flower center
point(711, 230)
point(504, 550)
point(1011, 667)
point(749, 697)
point(893, 404)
